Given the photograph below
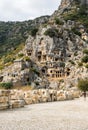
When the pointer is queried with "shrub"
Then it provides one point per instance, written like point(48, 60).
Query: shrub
point(58, 21)
point(29, 83)
point(51, 32)
point(80, 64)
point(71, 16)
point(37, 83)
point(72, 62)
point(86, 65)
point(83, 85)
point(34, 31)
point(7, 85)
point(85, 59)
point(85, 51)
point(35, 71)
point(82, 10)
point(27, 58)
point(74, 30)
point(75, 54)
point(62, 64)
point(61, 80)
point(9, 58)
point(20, 55)
point(1, 67)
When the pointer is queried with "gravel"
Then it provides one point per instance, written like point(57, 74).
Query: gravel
point(66, 115)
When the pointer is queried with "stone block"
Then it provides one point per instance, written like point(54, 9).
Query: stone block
point(28, 101)
point(17, 103)
point(4, 106)
point(4, 93)
point(4, 99)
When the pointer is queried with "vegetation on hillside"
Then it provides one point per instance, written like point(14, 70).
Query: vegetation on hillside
point(85, 58)
point(7, 85)
point(10, 56)
point(51, 32)
point(78, 13)
point(13, 34)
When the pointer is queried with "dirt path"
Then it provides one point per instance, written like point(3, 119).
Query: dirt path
point(66, 115)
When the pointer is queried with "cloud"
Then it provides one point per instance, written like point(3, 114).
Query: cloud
point(19, 10)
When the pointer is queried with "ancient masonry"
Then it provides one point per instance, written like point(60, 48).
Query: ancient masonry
point(10, 99)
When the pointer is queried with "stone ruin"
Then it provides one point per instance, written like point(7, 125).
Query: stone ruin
point(10, 99)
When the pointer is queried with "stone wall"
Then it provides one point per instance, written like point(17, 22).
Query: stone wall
point(11, 99)
point(17, 98)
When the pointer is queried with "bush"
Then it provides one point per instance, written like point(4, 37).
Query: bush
point(75, 54)
point(35, 71)
point(62, 64)
point(37, 83)
point(51, 32)
point(74, 30)
point(85, 51)
point(86, 66)
point(80, 64)
point(20, 55)
point(58, 21)
point(1, 67)
point(34, 31)
point(27, 58)
point(85, 59)
point(83, 85)
point(9, 58)
point(82, 11)
point(72, 62)
point(7, 85)
point(71, 16)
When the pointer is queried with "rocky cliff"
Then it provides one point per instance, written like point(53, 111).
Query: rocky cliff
point(57, 56)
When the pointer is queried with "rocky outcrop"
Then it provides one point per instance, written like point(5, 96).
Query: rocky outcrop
point(51, 57)
point(65, 3)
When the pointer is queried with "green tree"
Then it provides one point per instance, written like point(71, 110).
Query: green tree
point(83, 85)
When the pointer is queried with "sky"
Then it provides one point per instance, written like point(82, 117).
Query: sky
point(20, 10)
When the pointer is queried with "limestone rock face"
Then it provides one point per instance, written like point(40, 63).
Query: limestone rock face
point(51, 57)
point(65, 3)
point(55, 56)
